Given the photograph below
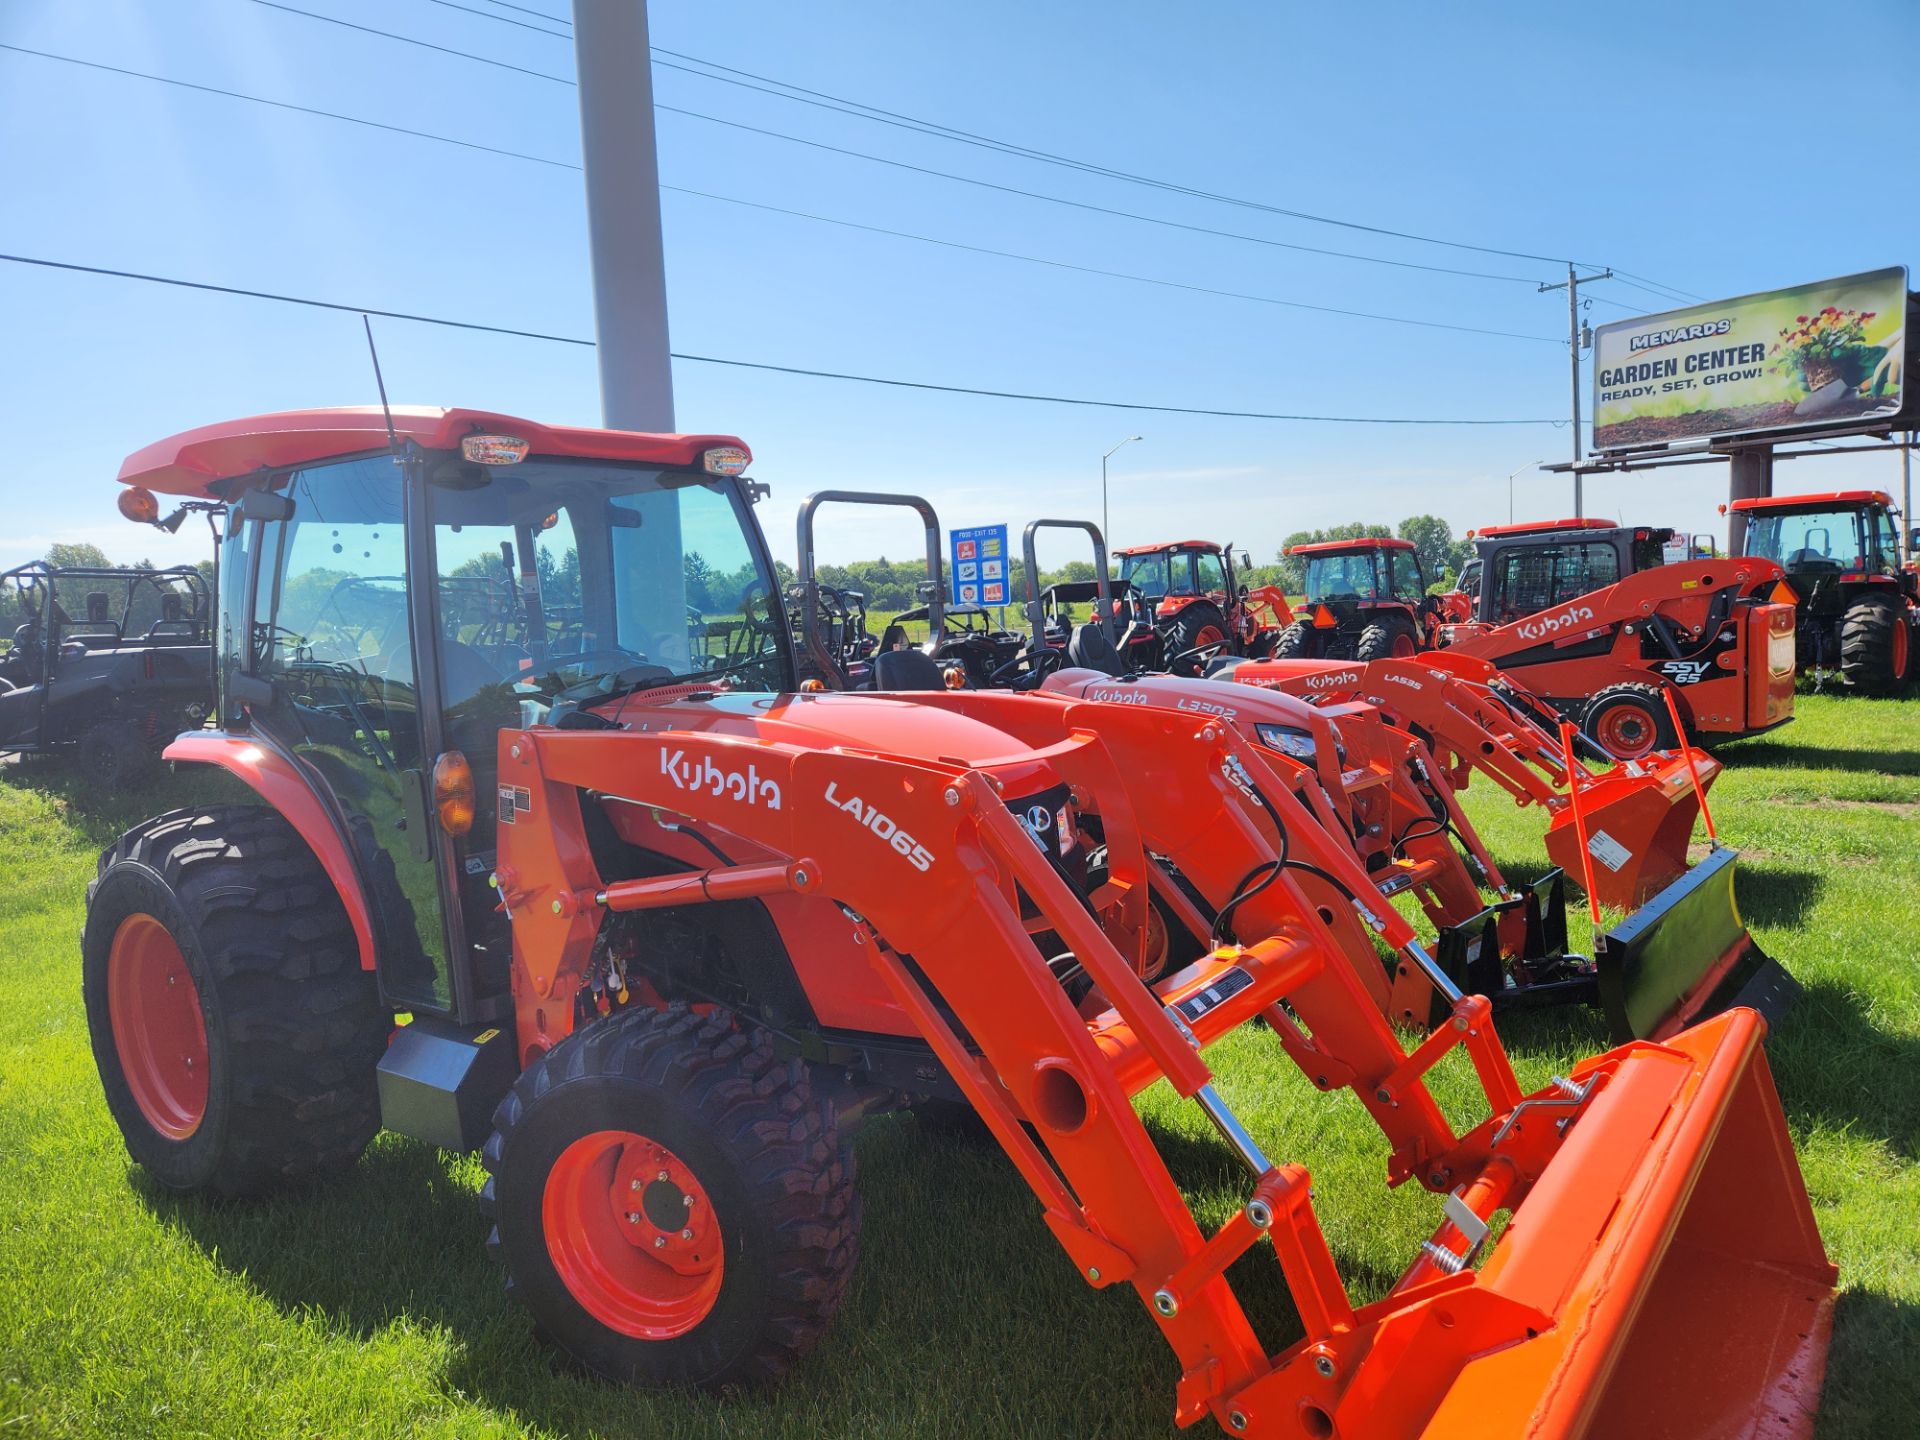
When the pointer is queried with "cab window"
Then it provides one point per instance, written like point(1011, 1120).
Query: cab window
point(1213, 580)
point(1537, 578)
point(1404, 577)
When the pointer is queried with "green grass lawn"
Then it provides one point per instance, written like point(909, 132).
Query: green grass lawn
point(367, 1307)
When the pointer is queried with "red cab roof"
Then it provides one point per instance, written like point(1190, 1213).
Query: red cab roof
point(1526, 527)
point(194, 460)
point(1824, 497)
point(1369, 542)
point(1168, 545)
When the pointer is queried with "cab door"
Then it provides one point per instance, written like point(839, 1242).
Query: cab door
point(335, 622)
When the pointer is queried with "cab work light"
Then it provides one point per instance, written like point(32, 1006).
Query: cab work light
point(493, 449)
point(726, 460)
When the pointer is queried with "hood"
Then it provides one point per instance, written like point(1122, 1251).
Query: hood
point(888, 724)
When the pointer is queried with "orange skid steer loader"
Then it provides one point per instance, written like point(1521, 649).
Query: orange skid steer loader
point(666, 929)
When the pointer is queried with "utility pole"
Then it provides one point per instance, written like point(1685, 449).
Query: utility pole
point(1572, 285)
point(615, 69)
point(1906, 498)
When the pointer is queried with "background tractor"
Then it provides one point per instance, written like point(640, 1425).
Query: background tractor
point(1190, 593)
point(106, 665)
point(1366, 600)
point(1855, 611)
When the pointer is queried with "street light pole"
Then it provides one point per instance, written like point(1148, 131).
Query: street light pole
point(1105, 534)
point(1528, 466)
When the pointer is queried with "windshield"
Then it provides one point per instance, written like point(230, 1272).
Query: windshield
point(1147, 574)
point(1807, 540)
point(1347, 575)
point(565, 577)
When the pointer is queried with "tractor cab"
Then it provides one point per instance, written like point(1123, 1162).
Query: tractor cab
point(1366, 599)
point(1194, 596)
point(390, 607)
point(1855, 601)
point(1534, 566)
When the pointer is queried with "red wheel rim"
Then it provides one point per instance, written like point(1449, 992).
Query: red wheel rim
point(632, 1235)
point(158, 1030)
point(1627, 731)
point(1900, 642)
point(1403, 646)
point(1209, 635)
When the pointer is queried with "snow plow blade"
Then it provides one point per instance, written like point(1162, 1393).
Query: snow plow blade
point(1686, 955)
point(1638, 820)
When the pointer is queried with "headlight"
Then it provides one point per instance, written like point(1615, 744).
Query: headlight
point(1296, 744)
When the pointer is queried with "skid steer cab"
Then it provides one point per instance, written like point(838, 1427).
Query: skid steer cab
point(517, 702)
point(1366, 600)
point(1856, 614)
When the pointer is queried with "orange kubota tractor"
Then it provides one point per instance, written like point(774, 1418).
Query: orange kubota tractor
point(665, 929)
point(1366, 599)
point(1858, 610)
point(1586, 615)
point(1191, 595)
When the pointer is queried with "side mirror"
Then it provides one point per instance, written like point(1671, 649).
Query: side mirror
point(267, 505)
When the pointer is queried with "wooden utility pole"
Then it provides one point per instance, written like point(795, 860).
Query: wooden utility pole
point(1572, 285)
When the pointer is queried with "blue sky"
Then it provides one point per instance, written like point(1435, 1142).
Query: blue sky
point(1720, 149)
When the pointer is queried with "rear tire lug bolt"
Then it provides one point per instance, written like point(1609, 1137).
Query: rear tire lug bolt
point(633, 1217)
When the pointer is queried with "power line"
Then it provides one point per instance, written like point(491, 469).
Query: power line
point(753, 364)
point(503, 19)
point(289, 105)
point(557, 19)
point(923, 169)
point(800, 214)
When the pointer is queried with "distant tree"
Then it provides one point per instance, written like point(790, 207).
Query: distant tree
point(77, 554)
point(1441, 556)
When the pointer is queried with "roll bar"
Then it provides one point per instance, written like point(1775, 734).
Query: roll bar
point(1105, 608)
point(810, 586)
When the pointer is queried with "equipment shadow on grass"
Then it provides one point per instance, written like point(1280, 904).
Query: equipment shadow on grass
point(1835, 1068)
point(1777, 897)
point(1782, 754)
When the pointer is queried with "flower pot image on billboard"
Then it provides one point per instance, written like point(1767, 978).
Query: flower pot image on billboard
point(1815, 355)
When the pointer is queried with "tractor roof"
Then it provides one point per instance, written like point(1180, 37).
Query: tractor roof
point(194, 462)
point(1168, 545)
point(1365, 542)
point(1824, 499)
point(1527, 527)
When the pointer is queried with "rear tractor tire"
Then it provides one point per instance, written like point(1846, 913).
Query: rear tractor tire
point(1293, 643)
point(235, 1033)
point(1630, 721)
point(1876, 646)
point(1388, 639)
point(1200, 624)
point(671, 1203)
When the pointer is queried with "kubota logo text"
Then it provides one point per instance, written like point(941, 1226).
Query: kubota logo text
point(1328, 678)
point(1553, 624)
point(917, 855)
point(747, 785)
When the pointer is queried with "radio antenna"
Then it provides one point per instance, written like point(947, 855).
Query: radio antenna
point(380, 383)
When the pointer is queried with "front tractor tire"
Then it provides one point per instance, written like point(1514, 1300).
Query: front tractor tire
point(1630, 721)
point(672, 1205)
point(1294, 643)
point(1876, 646)
point(1199, 625)
point(235, 1033)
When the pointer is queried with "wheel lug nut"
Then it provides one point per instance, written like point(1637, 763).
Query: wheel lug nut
point(633, 1217)
point(688, 1200)
point(663, 1174)
point(659, 1242)
point(686, 1234)
point(636, 1183)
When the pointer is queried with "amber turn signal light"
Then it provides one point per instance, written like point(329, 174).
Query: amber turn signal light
point(139, 505)
point(453, 792)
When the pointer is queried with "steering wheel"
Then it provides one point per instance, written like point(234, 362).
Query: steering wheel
point(1026, 670)
point(578, 659)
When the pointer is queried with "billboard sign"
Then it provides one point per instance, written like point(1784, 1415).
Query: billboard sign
point(977, 563)
point(1815, 355)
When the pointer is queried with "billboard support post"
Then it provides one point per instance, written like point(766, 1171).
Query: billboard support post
point(1572, 285)
point(1750, 476)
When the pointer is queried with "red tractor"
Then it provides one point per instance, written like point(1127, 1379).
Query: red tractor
point(665, 931)
point(1856, 610)
point(1193, 598)
point(1366, 600)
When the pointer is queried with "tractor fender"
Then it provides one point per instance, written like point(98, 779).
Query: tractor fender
point(278, 780)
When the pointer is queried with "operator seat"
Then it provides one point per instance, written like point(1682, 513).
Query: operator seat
point(1090, 649)
point(906, 670)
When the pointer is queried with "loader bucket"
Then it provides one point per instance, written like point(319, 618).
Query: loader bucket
point(1687, 954)
point(1638, 822)
point(1671, 1253)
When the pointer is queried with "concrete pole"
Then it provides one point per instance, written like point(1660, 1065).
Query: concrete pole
point(615, 70)
point(1749, 475)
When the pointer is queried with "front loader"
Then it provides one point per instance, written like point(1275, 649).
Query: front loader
point(665, 929)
